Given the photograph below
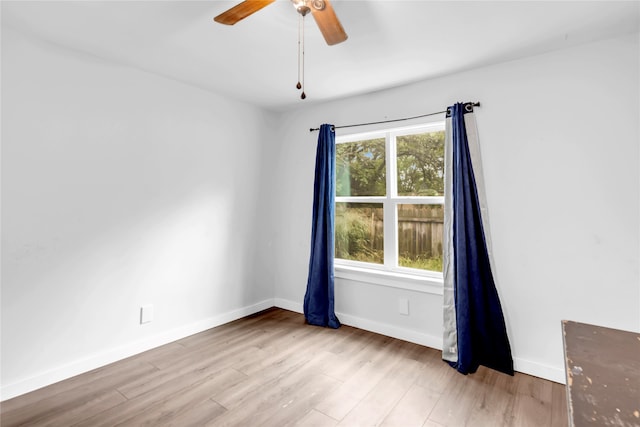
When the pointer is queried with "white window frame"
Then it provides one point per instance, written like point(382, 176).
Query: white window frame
point(389, 273)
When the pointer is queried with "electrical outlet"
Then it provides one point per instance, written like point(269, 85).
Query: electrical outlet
point(403, 306)
point(146, 313)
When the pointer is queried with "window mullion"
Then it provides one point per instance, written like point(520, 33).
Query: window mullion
point(390, 210)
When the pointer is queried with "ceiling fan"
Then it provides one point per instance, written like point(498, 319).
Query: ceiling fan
point(321, 10)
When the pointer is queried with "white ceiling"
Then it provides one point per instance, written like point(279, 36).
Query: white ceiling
point(390, 42)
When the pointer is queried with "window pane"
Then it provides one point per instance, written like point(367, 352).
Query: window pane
point(360, 232)
point(360, 168)
point(420, 229)
point(421, 164)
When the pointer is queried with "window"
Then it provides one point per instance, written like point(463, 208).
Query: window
point(390, 199)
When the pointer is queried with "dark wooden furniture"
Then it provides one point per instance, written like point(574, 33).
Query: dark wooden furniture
point(603, 375)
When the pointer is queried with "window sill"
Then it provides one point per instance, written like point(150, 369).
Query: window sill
point(392, 279)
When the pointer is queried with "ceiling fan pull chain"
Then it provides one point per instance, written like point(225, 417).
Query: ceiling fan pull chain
point(299, 86)
point(303, 96)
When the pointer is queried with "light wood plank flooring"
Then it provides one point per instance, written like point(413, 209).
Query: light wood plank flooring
point(271, 369)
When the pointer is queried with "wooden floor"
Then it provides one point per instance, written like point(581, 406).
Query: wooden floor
point(271, 369)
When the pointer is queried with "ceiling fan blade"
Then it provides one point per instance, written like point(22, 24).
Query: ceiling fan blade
point(329, 25)
point(241, 11)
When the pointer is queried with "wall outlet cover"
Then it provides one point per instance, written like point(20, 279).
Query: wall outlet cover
point(403, 306)
point(146, 314)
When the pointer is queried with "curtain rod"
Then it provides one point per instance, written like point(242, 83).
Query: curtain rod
point(475, 104)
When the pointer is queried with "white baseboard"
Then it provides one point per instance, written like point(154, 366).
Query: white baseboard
point(551, 373)
point(372, 326)
point(113, 355)
point(391, 331)
point(524, 366)
point(288, 305)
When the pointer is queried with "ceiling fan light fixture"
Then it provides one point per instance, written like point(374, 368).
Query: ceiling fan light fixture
point(301, 6)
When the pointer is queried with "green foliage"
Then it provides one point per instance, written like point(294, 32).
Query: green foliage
point(361, 168)
point(431, 264)
point(421, 164)
point(353, 234)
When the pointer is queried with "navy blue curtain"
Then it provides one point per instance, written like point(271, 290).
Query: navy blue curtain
point(481, 332)
point(319, 298)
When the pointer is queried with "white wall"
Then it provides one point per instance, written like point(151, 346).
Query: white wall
point(559, 135)
point(119, 188)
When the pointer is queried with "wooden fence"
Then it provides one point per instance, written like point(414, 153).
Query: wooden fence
point(420, 230)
